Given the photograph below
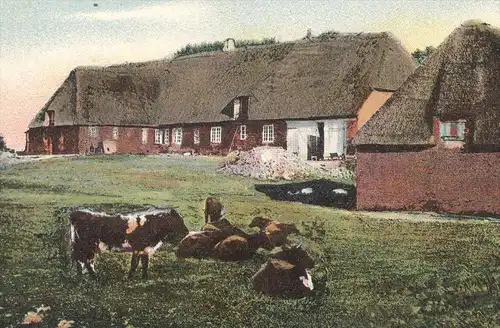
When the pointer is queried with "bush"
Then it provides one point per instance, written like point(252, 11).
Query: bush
point(191, 49)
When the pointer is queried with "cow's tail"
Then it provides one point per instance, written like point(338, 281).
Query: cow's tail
point(72, 233)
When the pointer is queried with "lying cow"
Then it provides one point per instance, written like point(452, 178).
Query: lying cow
point(200, 244)
point(239, 248)
point(277, 232)
point(213, 210)
point(141, 233)
point(197, 244)
point(286, 274)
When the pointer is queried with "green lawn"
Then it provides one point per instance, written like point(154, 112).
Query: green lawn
point(370, 272)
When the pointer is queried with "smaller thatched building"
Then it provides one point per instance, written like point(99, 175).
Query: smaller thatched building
point(435, 144)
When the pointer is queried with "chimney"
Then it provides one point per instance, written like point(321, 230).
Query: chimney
point(229, 45)
point(309, 34)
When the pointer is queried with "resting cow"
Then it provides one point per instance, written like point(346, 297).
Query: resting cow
point(197, 244)
point(141, 233)
point(239, 248)
point(213, 210)
point(286, 274)
point(277, 232)
point(200, 244)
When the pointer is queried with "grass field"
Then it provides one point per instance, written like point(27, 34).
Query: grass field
point(370, 272)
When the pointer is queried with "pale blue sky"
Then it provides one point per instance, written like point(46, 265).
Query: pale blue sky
point(41, 41)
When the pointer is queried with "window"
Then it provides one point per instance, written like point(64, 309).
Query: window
point(93, 131)
point(243, 132)
point(196, 136)
point(145, 135)
point(115, 132)
point(51, 117)
point(236, 108)
point(268, 133)
point(158, 136)
point(178, 136)
point(452, 131)
point(166, 137)
point(215, 134)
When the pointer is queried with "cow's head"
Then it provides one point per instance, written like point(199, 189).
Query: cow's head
point(259, 222)
point(295, 255)
point(288, 228)
point(176, 230)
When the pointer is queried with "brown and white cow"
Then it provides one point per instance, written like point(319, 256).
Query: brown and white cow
point(286, 274)
point(141, 233)
point(276, 232)
point(213, 210)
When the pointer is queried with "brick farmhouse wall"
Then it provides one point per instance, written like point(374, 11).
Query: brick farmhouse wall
point(129, 140)
point(63, 139)
point(77, 139)
point(431, 180)
point(230, 137)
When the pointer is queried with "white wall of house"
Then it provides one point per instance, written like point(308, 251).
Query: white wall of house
point(335, 133)
point(335, 137)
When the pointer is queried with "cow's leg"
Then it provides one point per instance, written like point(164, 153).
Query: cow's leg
point(206, 217)
point(133, 264)
point(89, 265)
point(80, 267)
point(145, 263)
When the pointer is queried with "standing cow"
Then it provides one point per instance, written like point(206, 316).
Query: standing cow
point(214, 210)
point(141, 233)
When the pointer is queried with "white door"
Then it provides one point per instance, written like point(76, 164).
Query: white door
point(292, 141)
point(335, 138)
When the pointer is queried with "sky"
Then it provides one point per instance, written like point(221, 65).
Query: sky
point(42, 41)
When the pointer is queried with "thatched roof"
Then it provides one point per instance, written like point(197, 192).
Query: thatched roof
point(461, 79)
point(304, 79)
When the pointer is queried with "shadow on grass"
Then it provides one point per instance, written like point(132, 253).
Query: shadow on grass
point(314, 192)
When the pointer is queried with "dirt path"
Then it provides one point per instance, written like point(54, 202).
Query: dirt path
point(427, 217)
point(9, 159)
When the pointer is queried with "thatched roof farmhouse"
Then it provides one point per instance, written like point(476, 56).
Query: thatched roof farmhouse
point(435, 144)
point(202, 100)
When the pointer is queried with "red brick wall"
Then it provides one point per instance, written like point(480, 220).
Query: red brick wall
point(129, 140)
point(64, 140)
point(76, 139)
point(254, 137)
point(430, 180)
point(352, 128)
point(35, 141)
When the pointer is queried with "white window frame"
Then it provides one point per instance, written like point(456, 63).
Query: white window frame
point(243, 132)
point(166, 136)
point(236, 108)
point(216, 134)
point(268, 133)
point(445, 127)
point(158, 137)
point(178, 136)
point(145, 135)
point(93, 131)
point(196, 136)
point(115, 132)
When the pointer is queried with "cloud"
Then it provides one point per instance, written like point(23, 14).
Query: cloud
point(174, 11)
